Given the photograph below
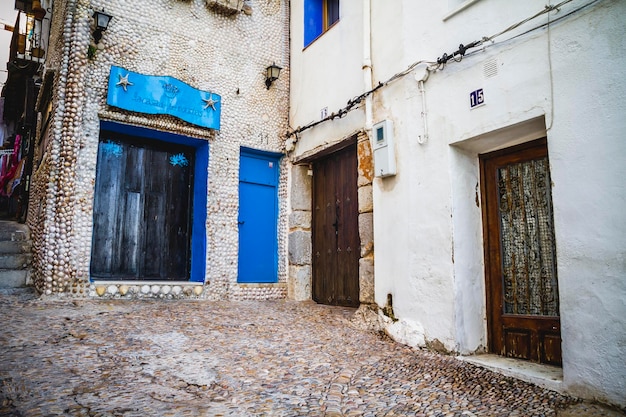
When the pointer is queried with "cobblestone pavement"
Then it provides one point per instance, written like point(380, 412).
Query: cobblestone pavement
point(261, 358)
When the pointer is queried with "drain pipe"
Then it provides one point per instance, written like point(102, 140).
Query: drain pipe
point(421, 77)
point(367, 64)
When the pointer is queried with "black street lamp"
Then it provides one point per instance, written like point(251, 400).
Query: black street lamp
point(102, 22)
point(272, 73)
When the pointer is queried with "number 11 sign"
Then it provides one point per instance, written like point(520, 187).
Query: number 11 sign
point(477, 98)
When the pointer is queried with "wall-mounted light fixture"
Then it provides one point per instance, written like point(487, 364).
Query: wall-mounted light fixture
point(272, 73)
point(38, 12)
point(102, 22)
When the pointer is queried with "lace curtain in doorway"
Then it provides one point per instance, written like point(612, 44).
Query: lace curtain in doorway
point(527, 232)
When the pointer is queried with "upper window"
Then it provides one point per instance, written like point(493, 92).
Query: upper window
point(319, 15)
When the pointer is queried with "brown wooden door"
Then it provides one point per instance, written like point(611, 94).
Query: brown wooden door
point(520, 254)
point(142, 212)
point(336, 243)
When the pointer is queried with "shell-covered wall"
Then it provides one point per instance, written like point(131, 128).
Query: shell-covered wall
point(198, 44)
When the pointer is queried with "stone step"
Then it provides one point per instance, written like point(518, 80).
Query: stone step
point(15, 261)
point(15, 255)
point(14, 278)
point(20, 246)
point(13, 232)
point(24, 293)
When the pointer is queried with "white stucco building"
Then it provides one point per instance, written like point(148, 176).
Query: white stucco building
point(500, 228)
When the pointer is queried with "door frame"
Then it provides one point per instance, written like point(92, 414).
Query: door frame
point(496, 319)
point(200, 187)
point(341, 147)
point(275, 158)
point(300, 277)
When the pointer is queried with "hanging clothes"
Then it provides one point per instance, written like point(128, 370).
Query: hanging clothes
point(3, 133)
point(3, 127)
point(5, 163)
point(10, 169)
point(15, 180)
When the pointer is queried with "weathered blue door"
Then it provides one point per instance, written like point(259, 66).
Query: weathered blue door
point(258, 214)
point(142, 210)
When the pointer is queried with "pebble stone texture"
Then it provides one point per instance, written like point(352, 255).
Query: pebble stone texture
point(63, 356)
point(222, 46)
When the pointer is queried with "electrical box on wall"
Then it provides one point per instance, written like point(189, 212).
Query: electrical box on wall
point(384, 149)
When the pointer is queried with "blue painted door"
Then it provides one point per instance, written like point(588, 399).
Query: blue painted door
point(258, 214)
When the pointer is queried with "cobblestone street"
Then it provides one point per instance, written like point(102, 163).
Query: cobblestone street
point(199, 358)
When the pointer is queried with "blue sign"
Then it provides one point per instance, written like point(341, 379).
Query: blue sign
point(477, 98)
point(152, 94)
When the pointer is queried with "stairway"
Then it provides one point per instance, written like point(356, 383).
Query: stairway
point(15, 255)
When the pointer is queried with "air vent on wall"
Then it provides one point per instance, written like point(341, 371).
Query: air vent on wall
point(490, 68)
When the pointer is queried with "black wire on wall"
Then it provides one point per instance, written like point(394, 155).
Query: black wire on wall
point(440, 63)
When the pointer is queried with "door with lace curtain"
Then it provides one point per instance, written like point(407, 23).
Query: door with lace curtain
point(520, 254)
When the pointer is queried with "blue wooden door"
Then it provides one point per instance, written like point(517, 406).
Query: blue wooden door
point(258, 214)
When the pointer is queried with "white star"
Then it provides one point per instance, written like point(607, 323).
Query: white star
point(210, 102)
point(123, 81)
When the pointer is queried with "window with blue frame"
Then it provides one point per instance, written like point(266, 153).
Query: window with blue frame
point(319, 16)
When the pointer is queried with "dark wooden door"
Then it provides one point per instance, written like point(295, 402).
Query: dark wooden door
point(336, 243)
point(520, 254)
point(142, 202)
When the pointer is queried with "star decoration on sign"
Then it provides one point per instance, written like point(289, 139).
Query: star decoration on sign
point(123, 82)
point(210, 102)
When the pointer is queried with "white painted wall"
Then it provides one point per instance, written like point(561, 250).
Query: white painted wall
point(328, 73)
point(581, 105)
point(566, 83)
point(7, 16)
point(588, 156)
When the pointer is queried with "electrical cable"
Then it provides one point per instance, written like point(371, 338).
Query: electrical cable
point(541, 26)
point(440, 63)
point(356, 100)
point(463, 48)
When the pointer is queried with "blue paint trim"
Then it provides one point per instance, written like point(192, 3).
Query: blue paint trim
point(313, 20)
point(179, 160)
point(247, 177)
point(153, 94)
point(269, 155)
point(112, 148)
point(198, 230)
point(200, 187)
point(252, 176)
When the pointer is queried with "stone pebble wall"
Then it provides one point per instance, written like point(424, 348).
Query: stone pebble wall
point(225, 53)
point(44, 184)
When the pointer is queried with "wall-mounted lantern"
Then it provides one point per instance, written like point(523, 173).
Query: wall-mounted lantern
point(102, 22)
point(38, 12)
point(272, 73)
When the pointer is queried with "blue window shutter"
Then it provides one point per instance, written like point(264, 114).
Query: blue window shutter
point(313, 20)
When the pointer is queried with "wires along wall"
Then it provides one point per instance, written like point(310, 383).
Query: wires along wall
point(441, 62)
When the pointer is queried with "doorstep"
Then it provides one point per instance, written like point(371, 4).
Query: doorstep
point(545, 376)
point(140, 282)
point(146, 289)
point(262, 285)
